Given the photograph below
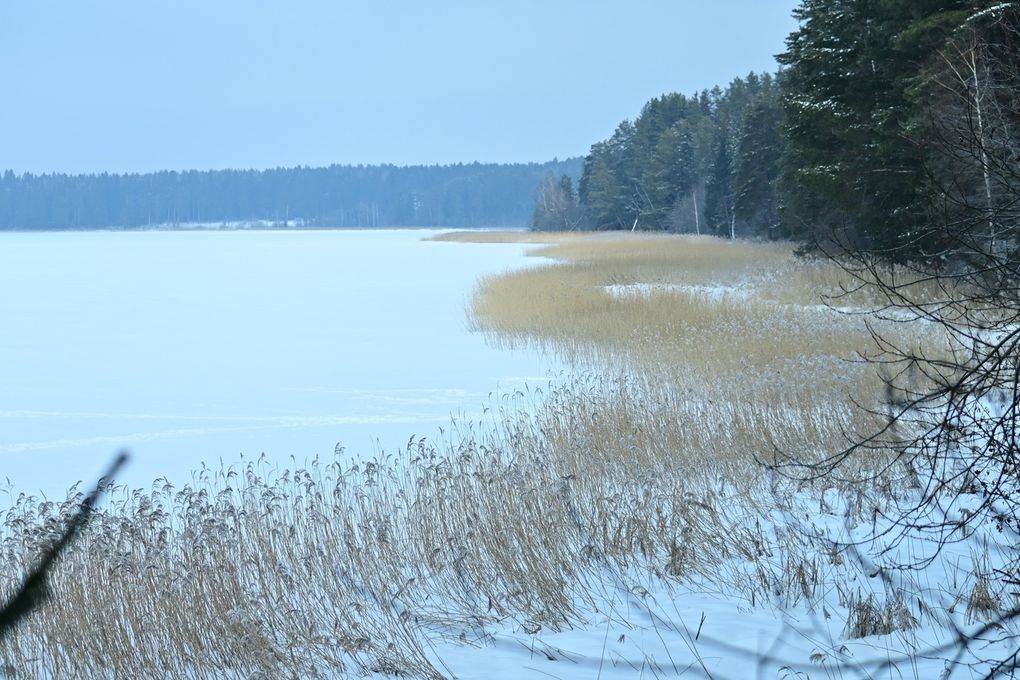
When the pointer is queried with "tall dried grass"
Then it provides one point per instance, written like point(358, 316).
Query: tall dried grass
point(342, 567)
point(731, 334)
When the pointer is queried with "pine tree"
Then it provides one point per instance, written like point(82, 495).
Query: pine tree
point(719, 194)
point(756, 205)
point(600, 191)
point(669, 173)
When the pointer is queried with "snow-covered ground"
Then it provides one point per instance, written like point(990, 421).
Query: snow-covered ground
point(739, 291)
point(644, 626)
point(193, 347)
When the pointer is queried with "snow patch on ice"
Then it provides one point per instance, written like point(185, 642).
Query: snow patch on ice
point(740, 291)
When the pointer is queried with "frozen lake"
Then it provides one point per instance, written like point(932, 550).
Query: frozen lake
point(191, 347)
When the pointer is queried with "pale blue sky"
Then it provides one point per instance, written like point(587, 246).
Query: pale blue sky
point(137, 85)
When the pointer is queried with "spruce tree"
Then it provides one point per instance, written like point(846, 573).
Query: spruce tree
point(760, 148)
point(851, 170)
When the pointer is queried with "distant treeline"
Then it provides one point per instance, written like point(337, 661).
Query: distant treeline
point(462, 195)
point(891, 126)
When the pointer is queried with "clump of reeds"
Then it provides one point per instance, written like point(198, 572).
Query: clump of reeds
point(867, 616)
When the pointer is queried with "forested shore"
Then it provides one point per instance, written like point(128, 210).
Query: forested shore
point(892, 127)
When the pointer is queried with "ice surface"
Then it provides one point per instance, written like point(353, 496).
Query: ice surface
point(191, 347)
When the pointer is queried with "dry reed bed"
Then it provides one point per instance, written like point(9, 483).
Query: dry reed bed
point(726, 354)
point(644, 466)
point(728, 342)
point(351, 568)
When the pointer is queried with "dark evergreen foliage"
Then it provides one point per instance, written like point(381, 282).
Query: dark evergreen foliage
point(759, 150)
point(462, 195)
point(856, 94)
point(677, 167)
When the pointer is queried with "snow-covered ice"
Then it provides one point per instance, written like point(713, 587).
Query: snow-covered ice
point(191, 347)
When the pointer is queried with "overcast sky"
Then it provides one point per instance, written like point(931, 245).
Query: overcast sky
point(138, 85)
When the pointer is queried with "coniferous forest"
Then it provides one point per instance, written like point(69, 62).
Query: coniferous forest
point(462, 195)
point(699, 164)
point(891, 126)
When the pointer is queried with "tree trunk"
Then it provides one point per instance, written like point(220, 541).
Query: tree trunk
point(697, 222)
